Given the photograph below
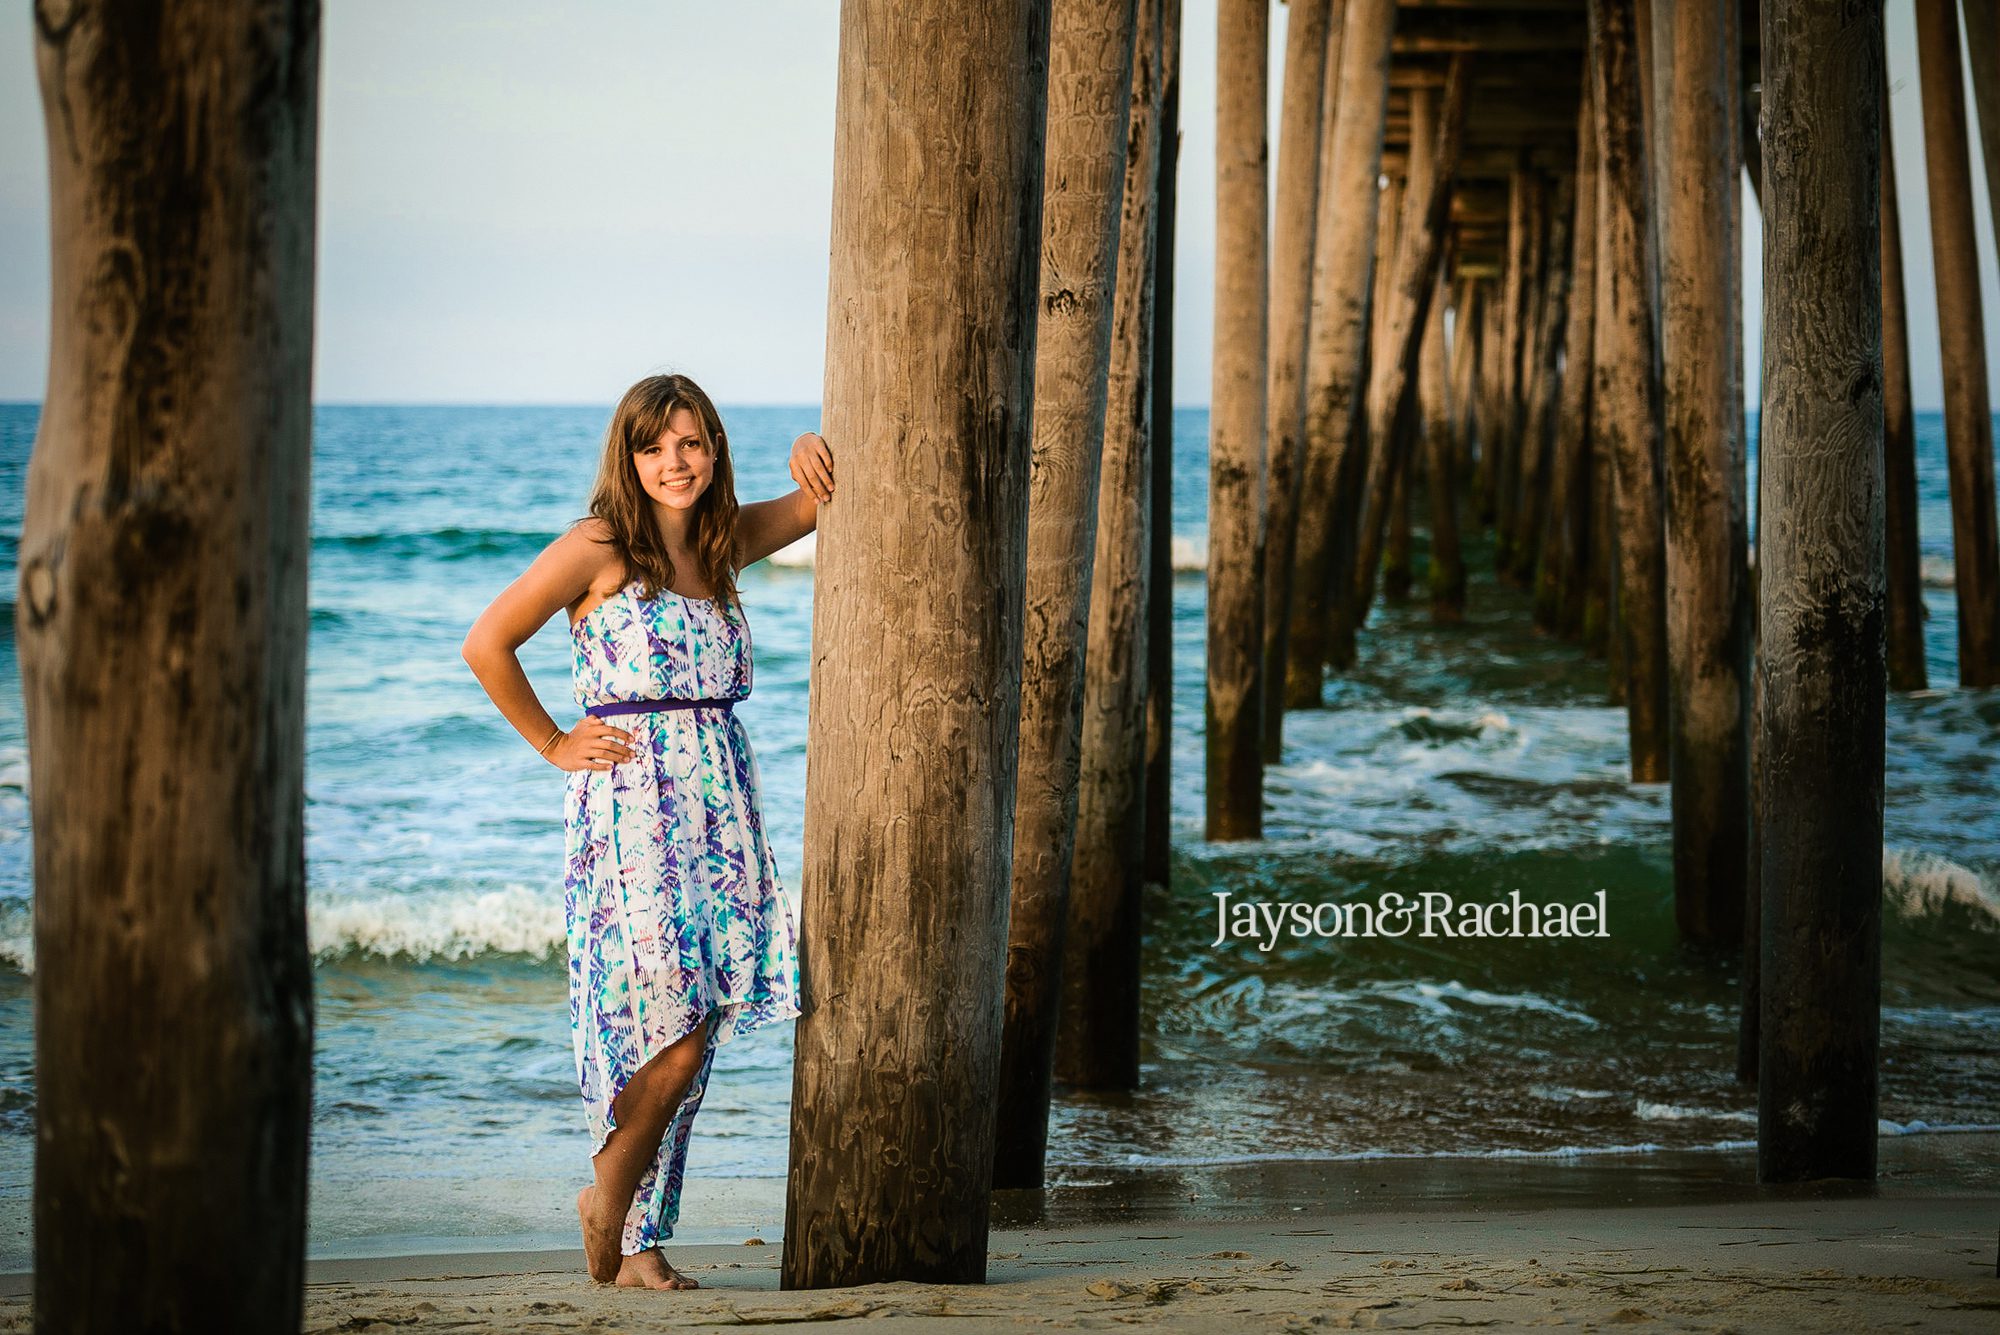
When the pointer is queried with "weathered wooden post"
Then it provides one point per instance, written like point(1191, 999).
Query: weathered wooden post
point(1160, 574)
point(1446, 575)
point(1820, 594)
point(1089, 101)
point(1968, 417)
point(1627, 390)
point(1513, 303)
point(160, 623)
point(1337, 341)
point(1907, 669)
point(1097, 1029)
point(1304, 137)
point(915, 706)
point(1559, 571)
point(1982, 57)
point(1238, 420)
point(1468, 306)
point(1707, 528)
point(1392, 395)
point(1531, 507)
point(1350, 489)
point(1600, 591)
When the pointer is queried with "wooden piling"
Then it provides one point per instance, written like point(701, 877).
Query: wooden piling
point(1338, 337)
point(1097, 1031)
point(1160, 586)
point(1820, 595)
point(161, 630)
point(1090, 88)
point(1968, 418)
point(1350, 499)
point(1531, 506)
point(1707, 527)
point(1627, 390)
point(1513, 305)
point(1392, 396)
point(915, 702)
point(1561, 567)
point(1982, 58)
point(1287, 480)
point(1907, 669)
point(1469, 316)
point(1238, 418)
point(1446, 573)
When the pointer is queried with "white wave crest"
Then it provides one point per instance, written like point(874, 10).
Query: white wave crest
point(444, 924)
point(1922, 884)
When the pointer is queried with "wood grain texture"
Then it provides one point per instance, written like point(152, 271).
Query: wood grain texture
point(916, 668)
point(1708, 526)
point(1305, 158)
point(161, 624)
point(1530, 508)
point(1907, 669)
point(1083, 177)
point(1627, 391)
point(1239, 412)
point(1560, 565)
point(1097, 1039)
point(1392, 396)
point(1968, 416)
point(1820, 593)
point(1343, 263)
point(1160, 586)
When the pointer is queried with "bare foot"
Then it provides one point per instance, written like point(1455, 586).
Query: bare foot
point(600, 1239)
point(649, 1270)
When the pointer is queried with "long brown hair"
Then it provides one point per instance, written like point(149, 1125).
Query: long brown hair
point(617, 498)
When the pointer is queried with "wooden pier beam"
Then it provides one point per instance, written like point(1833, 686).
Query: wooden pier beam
point(161, 630)
point(1531, 507)
point(1392, 396)
point(1968, 418)
point(1287, 482)
point(1907, 669)
point(1097, 1029)
point(1982, 57)
point(1627, 391)
point(1446, 572)
point(1707, 532)
point(1238, 417)
point(1337, 341)
point(1089, 108)
point(1350, 502)
point(1468, 319)
point(1507, 387)
point(915, 707)
point(1820, 595)
point(1160, 585)
point(1560, 570)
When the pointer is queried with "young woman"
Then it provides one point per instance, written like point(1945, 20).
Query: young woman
point(680, 937)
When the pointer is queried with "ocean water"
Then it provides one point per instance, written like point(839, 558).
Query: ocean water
point(1474, 761)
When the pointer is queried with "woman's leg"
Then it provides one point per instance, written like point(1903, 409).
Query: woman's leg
point(656, 1204)
point(642, 1112)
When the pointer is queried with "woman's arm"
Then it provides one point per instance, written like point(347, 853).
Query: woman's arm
point(763, 527)
point(556, 578)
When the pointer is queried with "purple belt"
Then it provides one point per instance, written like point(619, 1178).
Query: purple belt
point(650, 706)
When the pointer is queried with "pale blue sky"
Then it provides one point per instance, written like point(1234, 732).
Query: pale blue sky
point(540, 202)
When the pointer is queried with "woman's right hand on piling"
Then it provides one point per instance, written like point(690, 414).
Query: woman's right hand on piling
point(592, 745)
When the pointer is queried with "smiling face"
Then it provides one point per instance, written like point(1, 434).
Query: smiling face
point(677, 468)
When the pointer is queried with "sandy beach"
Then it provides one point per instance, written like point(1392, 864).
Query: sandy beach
point(1675, 1241)
point(1855, 1264)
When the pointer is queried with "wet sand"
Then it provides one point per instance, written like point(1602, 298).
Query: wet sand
point(1856, 1263)
point(1669, 1242)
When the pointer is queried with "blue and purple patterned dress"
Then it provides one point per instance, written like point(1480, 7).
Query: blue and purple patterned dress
point(675, 915)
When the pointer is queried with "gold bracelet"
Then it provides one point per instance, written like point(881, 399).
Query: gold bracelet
point(543, 749)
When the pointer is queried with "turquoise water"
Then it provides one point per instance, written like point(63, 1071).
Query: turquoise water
point(1473, 761)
